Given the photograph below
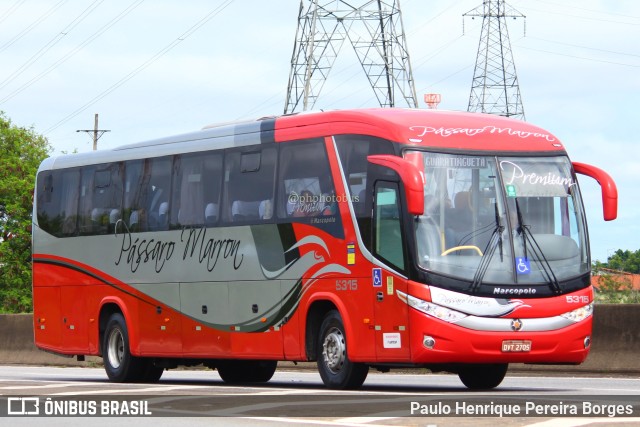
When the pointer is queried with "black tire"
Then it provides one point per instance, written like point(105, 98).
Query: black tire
point(119, 364)
point(483, 376)
point(246, 371)
point(149, 373)
point(334, 366)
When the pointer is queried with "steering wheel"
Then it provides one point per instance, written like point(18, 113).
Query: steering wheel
point(460, 248)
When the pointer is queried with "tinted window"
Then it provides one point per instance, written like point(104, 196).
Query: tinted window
point(307, 193)
point(249, 184)
point(106, 198)
point(353, 151)
point(58, 202)
point(388, 235)
point(148, 192)
point(196, 190)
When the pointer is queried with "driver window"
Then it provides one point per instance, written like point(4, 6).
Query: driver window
point(389, 242)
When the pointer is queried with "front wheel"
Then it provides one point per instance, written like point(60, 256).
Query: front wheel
point(334, 366)
point(483, 376)
point(119, 364)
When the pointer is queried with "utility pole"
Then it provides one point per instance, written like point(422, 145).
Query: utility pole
point(495, 88)
point(97, 133)
point(375, 31)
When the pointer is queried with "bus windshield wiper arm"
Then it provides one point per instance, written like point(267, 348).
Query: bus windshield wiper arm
point(490, 249)
point(537, 251)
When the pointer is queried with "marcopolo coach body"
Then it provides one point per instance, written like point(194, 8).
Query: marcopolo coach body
point(363, 238)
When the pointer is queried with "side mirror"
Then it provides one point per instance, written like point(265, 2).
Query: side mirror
point(608, 186)
point(411, 177)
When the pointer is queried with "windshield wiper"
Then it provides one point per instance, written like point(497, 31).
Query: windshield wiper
point(536, 250)
point(494, 242)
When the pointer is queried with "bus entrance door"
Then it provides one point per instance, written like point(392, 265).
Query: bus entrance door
point(392, 317)
point(391, 314)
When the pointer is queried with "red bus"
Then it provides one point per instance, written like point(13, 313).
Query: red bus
point(376, 238)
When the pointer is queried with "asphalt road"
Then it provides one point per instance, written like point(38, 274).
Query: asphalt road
point(199, 397)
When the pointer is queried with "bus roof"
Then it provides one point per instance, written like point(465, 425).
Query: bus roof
point(426, 128)
point(449, 130)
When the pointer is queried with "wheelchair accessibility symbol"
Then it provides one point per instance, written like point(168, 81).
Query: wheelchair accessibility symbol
point(522, 265)
point(377, 277)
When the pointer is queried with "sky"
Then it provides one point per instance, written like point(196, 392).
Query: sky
point(160, 67)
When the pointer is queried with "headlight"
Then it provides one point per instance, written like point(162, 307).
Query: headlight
point(579, 314)
point(435, 310)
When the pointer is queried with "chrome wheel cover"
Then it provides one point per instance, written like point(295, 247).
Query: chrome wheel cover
point(334, 350)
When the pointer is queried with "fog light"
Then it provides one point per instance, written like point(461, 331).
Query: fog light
point(587, 342)
point(428, 342)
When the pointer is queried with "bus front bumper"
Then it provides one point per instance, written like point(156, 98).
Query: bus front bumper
point(437, 341)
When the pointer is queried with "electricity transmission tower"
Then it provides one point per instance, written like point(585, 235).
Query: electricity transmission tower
point(495, 87)
point(374, 30)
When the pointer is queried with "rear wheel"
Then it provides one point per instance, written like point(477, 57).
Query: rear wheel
point(246, 371)
point(483, 376)
point(336, 370)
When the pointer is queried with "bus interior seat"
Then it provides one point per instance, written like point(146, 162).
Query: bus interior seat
point(251, 210)
point(114, 217)
point(211, 214)
point(134, 221)
point(98, 220)
point(242, 210)
point(265, 209)
point(163, 216)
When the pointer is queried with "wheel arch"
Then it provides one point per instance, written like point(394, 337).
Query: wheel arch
point(319, 306)
point(108, 307)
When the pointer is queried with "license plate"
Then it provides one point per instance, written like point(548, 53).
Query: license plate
point(513, 346)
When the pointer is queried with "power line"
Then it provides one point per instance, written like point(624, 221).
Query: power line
point(586, 47)
point(600, 12)
point(33, 25)
point(71, 53)
point(580, 57)
point(414, 30)
point(144, 65)
point(610, 21)
point(448, 76)
point(66, 30)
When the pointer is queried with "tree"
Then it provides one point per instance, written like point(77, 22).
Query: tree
point(22, 151)
point(625, 261)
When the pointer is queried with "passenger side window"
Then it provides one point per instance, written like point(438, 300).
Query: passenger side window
point(148, 192)
point(196, 190)
point(249, 185)
point(58, 202)
point(388, 237)
point(69, 203)
point(132, 187)
point(306, 189)
point(100, 198)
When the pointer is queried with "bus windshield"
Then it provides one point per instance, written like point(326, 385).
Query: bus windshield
point(501, 220)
